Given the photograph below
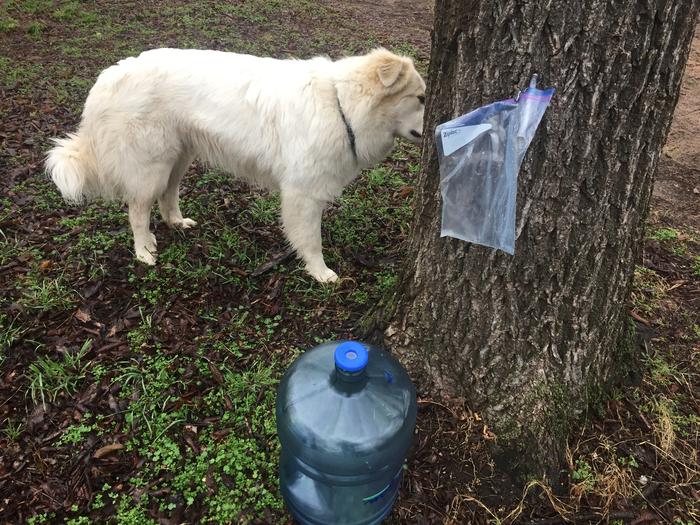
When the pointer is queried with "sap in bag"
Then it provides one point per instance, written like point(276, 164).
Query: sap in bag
point(480, 154)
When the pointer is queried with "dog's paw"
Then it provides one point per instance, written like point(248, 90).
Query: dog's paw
point(146, 257)
point(324, 275)
point(183, 223)
point(146, 252)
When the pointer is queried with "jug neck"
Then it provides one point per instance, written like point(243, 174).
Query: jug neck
point(348, 383)
point(349, 377)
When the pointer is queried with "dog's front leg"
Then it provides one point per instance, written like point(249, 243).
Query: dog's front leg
point(144, 240)
point(301, 219)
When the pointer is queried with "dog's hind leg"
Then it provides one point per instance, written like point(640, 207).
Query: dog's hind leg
point(301, 219)
point(168, 202)
point(144, 240)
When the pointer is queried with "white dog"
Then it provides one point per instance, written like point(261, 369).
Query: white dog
point(304, 128)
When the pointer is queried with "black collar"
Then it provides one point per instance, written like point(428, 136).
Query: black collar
point(348, 128)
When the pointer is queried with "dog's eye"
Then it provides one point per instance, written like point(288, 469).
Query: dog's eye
point(421, 99)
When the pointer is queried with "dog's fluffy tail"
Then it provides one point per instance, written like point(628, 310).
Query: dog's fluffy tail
point(71, 165)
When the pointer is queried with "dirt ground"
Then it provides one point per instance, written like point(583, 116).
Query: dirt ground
point(164, 416)
point(677, 187)
point(403, 20)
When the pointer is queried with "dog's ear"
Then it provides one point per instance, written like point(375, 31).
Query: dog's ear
point(389, 70)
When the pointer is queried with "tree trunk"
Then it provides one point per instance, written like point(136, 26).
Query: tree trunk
point(528, 340)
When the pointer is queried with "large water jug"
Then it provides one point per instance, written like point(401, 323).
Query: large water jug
point(345, 418)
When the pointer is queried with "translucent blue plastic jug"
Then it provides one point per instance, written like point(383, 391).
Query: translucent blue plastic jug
point(345, 418)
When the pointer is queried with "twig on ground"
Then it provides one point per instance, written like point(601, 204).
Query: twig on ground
point(269, 265)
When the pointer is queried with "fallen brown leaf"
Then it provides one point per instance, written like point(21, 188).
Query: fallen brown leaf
point(82, 316)
point(107, 450)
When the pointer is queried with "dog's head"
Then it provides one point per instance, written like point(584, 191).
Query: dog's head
point(399, 92)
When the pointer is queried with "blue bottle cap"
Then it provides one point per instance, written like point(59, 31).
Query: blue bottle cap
point(351, 357)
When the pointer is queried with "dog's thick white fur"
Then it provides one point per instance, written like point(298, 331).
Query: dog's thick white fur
point(304, 128)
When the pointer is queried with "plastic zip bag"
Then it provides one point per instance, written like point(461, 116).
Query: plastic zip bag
point(480, 154)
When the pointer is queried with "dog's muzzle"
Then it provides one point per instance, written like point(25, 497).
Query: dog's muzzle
point(416, 134)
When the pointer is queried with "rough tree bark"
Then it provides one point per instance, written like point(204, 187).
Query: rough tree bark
point(527, 340)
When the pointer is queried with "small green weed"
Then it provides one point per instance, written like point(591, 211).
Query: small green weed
point(97, 501)
point(32, 7)
point(244, 469)
point(9, 248)
point(36, 28)
point(603, 475)
point(264, 210)
point(158, 283)
point(249, 11)
point(671, 421)
point(10, 332)
point(44, 294)
point(7, 24)
point(696, 331)
point(130, 512)
point(663, 372)
point(696, 266)
point(649, 289)
point(73, 11)
point(12, 429)
point(406, 49)
point(80, 520)
point(386, 281)
point(360, 296)
point(154, 380)
point(628, 461)
point(44, 517)
point(75, 434)
point(140, 336)
point(664, 234)
point(22, 75)
point(583, 473)
point(50, 377)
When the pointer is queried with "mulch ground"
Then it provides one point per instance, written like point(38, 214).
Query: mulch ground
point(450, 479)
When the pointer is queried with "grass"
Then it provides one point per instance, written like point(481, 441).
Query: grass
point(190, 389)
point(43, 294)
point(619, 466)
point(604, 476)
point(75, 434)
point(649, 292)
point(238, 455)
point(48, 377)
point(696, 266)
point(645, 441)
point(664, 234)
point(7, 24)
point(265, 210)
point(11, 331)
point(194, 408)
point(662, 371)
point(12, 429)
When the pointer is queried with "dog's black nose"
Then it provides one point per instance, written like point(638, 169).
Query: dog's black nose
point(416, 134)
